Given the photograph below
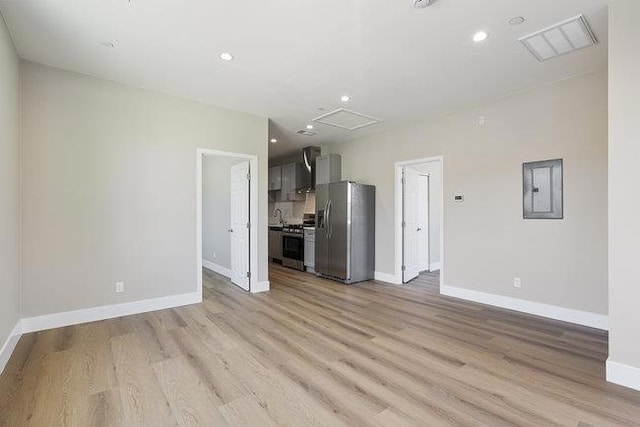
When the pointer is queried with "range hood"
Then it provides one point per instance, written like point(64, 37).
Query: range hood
point(308, 181)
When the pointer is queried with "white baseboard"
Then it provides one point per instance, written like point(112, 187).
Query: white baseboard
point(9, 345)
point(624, 375)
point(584, 318)
point(261, 287)
point(434, 266)
point(217, 268)
point(75, 317)
point(386, 277)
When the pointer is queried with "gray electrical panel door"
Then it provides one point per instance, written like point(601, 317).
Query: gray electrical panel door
point(542, 189)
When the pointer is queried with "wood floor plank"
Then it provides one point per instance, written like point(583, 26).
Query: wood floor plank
point(283, 399)
point(142, 400)
point(246, 412)
point(313, 352)
point(105, 409)
point(192, 402)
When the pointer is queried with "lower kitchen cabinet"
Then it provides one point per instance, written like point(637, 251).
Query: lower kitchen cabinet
point(275, 244)
point(310, 249)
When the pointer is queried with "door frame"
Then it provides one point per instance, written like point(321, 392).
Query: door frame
point(253, 212)
point(427, 179)
point(399, 214)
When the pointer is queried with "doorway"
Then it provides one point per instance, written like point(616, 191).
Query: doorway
point(226, 196)
point(420, 210)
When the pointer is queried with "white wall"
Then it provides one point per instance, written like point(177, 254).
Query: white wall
point(9, 185)
point(624, 204)
point(487, 243)
point(216, 209)
point(109, 179)
point(435, 196)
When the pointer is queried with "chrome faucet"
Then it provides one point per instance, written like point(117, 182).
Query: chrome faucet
point(275, 214)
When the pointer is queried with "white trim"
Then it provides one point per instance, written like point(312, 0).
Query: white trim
point(75, 317)
point(624, 375)
point(386, 277)
point(261, 287)
point(253, 212)
point(398, 214)
point(10, 345)
point(435, 266)
point(584, 318)
point(217, 268)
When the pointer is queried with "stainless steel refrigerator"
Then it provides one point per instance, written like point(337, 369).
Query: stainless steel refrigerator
point(345, 231)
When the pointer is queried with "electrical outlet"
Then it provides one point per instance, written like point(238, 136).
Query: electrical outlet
point(214, 254)
point(119, 287)
point(517, 282)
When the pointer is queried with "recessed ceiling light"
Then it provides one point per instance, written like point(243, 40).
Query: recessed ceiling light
point(345, 98)
point(309, 127)
point(226, 56)
point(517, 20)
point(273, 140)
point(480, 36)
point(109, 44)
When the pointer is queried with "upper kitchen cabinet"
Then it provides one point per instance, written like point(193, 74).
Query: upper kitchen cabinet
point(275, 178)
point(292, 177)
point(328, 169)
point(292, 181)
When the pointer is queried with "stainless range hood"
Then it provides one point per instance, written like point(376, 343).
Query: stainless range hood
point(308, 181)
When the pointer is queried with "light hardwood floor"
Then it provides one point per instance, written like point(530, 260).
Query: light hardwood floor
point(315, 352)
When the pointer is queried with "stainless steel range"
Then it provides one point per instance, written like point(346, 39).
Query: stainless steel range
point(293, 247)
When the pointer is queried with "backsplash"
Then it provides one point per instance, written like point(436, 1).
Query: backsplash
point(292, 212)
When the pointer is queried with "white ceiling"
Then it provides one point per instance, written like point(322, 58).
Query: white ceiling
point(293, 57)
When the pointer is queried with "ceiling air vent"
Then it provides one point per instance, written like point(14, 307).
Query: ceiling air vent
point(560, 39)
point(346, 119)
point(306, 132)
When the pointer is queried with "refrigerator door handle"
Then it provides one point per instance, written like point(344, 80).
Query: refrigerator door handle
point(324, 219)
point(328, 220)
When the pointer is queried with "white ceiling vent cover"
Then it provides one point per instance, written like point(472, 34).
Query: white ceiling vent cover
point(346, 119)
point(560, 39)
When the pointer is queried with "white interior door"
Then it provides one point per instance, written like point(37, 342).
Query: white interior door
point(240, 271)
point(410, 225)
point(423, 223)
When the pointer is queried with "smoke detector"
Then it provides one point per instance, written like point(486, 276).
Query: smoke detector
point(419, 4)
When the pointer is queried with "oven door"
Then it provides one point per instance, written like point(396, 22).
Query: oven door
point(293, 247)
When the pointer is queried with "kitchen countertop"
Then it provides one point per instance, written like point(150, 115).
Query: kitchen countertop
point(281, 226)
